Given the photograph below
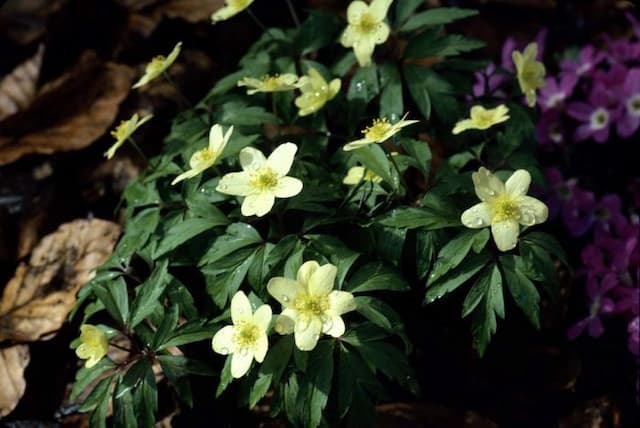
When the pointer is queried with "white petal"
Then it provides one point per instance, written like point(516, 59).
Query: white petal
point(187, 174)
point(251, 158)
point(334, 88)
point(487, 185)
point(532, 211)
point(363, 49)
point(257, 204)
point(240, 363)
point(505, 234)
point(222, 342)
point(355, 11)
point(378, 8)
point(215, 137)
point(261, 347)
point(284, 290)
point(477, 216)
point(321, 281)
point(235, 183)
point(287, 187)
point(341, 302)
point(363, 142)
point(307, 333)
point(281, 158)
point(334, 327)
point(518, 183)
point(349, 37)
point(284, 324)
point(382, 33)
point(241, 310)
point(262, 317)
point(306, 270)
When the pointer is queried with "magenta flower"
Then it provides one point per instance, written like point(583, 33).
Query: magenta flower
point(608, 213)
point(578, 211)
point(599, 304)
point(488, 81)
point(587, 60)
point(635, 24)
point(554, 93)
point(629, 121)
point(634, 336)
point(596, 116)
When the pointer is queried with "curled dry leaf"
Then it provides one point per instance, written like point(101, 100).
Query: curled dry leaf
point(13, 361)
point(37, 300)
point(189, 10)
point(91, 93)
point(18, 88)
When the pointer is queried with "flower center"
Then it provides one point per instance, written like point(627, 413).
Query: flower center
point(555, 99)
point(156, 64)
point(369, 176)
point(246, 335)
point(633, 105)
point(530, 74)
point(595, 307)
point(271, 82)
point(378, 130)
point(599, 119)
point(265, 179)
point(238, 4)
point(484, 119)
point(368, 24)
point(202, 157)
point(505, 209)
point(311, 306)
point(122, 131)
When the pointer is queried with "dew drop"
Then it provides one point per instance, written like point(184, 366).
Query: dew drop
point(244, 352)
point(224, 351)
point(491, 193)
point(285, 298)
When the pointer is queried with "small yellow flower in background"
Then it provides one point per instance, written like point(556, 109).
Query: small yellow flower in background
point(205, 158)
point(157, 66)
point(358, 173)
point(381, 130)
point(482, 118)
point(94, 345)
point(310, 305)
point(124, 131)
point(273, 83)
point(230, 9)
point(262, 180)
point(366, 28)
point(504, 207)
point(246, 339)
point(529, 71)
point(315, 92)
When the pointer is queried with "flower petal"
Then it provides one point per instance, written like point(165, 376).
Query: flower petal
point(518, 183)
point(349, 36)
point(262, 317)
point(487, 185)
point(355, 11)
point(260, 348)
point(222, 342)
point(505, 234)
point(240, 363)
point(284, 290)
point(362, 142)
point(307, 333)
point(241, 310)
point(257, 204)
point(284, 324)
point(378, 9)
point(463, 125)
point(251, 158)
point(287, 187)
point(216, 139)
point(477, 216)
point(363, 49)
point(334, 326)
point(532, 211)
point(235, 183)
point(185, 175)
point(341, 302)
point(321, 281)
point(306, 271)
point(281, 158)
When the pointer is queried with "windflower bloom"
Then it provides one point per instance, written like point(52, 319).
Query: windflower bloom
point(530, 72)
point(157, 66)
point(273, 83)
point(596, 115)
point(262, 179)
point(504, 207)
point(316, 92)
point(310, 306)
point(366, 28)
point(511, 44)
point(358, 173)
point(246, 339)
point(550, 131)
point(634, 336)
point(379, 131)
point(124, 131)
point(599, 305)
point(629, 123)
point(230, 9)
point(205, 158)
point(586, 62)
point(555, 92)
point(482, 118)
point(94, 345)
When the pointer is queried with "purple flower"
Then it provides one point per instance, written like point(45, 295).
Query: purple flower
point(593, 259)
point(599, 304)
point(621, 50)
point(549, 130)
point(608, 213)
point(596, 116)
point(578, 212)
point(629, 122)
point(587, 60)
point(634, 336)
point(628, 299)
point(555, 93)
point(488, 81)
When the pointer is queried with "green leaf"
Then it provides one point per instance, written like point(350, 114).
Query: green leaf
point(375, 159)
point(240, 114)
point(237, 235)
point(538, 266)
point(376, 276)
point(417, 89)
point(178, 366)
point(166, 327)
point(483, 319)
point(123, 411)
point(145, 396)
point(364, 85)
point(404, 9)
point(316, 384)
point(479, 289)
point(193, 331)
point(148, 294)
point(319, 30)
point(437, 16)
point(382, 315)
point(137, 232)
point(391, 102)
point(425, 45)
point(522, 290)
point(99, 415)
point(414, 217)
point(427, 244)
point(456, 277)
point(337, 252)
point(440, 92)
point(271, 369)
point(548, 243)
point(98, 394)
point(420, 151)
point(185, 230)
point(456, 250)
point(225, 377)
point(85, 376)
point(225, 276)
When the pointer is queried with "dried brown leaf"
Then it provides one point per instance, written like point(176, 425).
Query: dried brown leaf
point(190, 10)
point(13, 361)
point(37, 300)
point(68, 113)
point(18, 88)
point(427, 415)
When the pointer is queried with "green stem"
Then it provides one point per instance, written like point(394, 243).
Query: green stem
point(293, 13)
point(139, 150)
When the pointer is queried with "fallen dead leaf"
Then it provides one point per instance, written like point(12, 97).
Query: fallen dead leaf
point(92, 92)
point(13, 361)
point(427, 415)
point(18, 88)
point(37, 300)
point(190, 10)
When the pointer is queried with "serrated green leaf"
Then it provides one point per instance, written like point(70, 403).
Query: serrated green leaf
point(317, 31)
point(237, 235)
point(455, 251)
point(190, 332)
point(225, 377)
point(483, 319)
point(417, 89)
point(148, 294)
point(479, 289)
point(437, 16)
point(185, 230)
point(376, 276)
point(97, 394)
point(316, 384)
point(391, 100)
point(271, 369)
point(456, 277)
point(522, 290)
point(404, 9)
point(420, 151)
point(425, 45)
point(85, 376)
point(375, 159)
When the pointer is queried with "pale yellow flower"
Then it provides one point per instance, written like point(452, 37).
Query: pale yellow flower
point(262, 180)
point(157, 66)
point(94, 345)
point(246, 339)
point(358, 173)
point(310, 305)
point(270, 83)
point(207, 157)
point(124, 131)
point(381, 130)
point(504, 207)
point(529, 71)
point(316, 92)
point(366, 28)
point(482, 118)
point(230, 9)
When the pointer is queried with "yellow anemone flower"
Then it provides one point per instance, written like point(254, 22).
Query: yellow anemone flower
point(366, 28)
point(379, 131)
point(158, 65)
point(246, 339)
point(482, 118)
point(504, 207)
point(358, 173)
point(230, 9)
point(94, 345)
point(205, 158)
point(315, 92)
point(529, 71)
point(262, 179)
point(274, 83)
point(124, 131)
point(310, 305)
